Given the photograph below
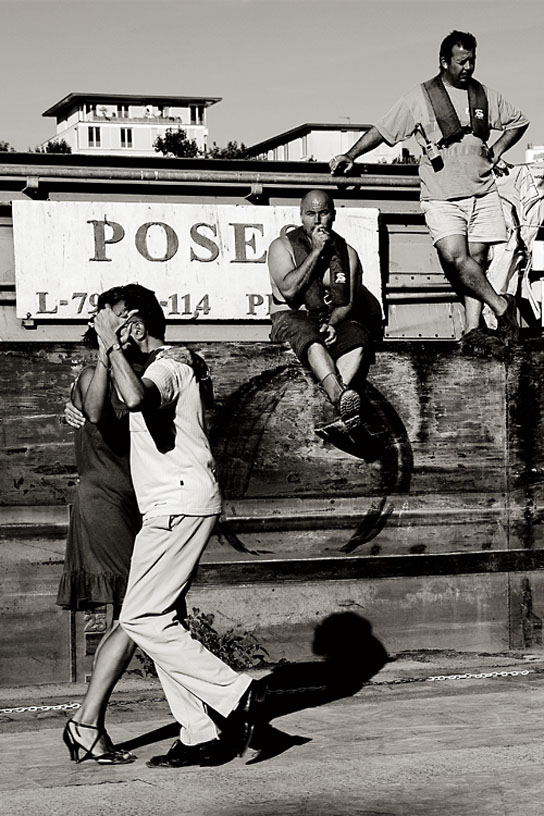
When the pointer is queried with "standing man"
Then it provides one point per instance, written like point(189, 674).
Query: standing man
point(451, 117)
point(316, 279)
point(173, 472)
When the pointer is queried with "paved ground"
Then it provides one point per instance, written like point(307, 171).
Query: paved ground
point(455, 747)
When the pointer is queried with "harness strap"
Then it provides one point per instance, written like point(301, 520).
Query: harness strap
point(446, 115)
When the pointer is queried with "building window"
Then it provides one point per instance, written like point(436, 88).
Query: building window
point(196, 114)
point(122, 111)
point(90, 109)
point(94, 136)
point(126, 137)
point(304, 147)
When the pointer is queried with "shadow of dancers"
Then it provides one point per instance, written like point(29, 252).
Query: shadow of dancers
point(349, 655)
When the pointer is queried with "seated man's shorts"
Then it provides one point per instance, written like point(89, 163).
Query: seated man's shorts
point(297, 329)
point(479, 218)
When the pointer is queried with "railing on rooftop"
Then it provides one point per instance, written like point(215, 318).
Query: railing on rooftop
point(113, 118)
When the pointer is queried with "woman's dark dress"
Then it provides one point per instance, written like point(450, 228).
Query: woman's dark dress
point(104, 519)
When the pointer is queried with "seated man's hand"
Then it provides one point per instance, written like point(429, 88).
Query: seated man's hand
point(320, 237)
point(73, 416)
point(341, 165)
point(329, 334)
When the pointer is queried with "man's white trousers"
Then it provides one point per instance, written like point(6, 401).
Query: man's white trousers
point(166, 553)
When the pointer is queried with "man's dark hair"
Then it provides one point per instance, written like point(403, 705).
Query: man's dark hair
point(144, 301)
point(461, 38)
point(111, 296)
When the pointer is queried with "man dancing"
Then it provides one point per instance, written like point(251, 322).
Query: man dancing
point(174, 479)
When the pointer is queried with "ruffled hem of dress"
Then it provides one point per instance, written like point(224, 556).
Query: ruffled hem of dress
point(84, 590)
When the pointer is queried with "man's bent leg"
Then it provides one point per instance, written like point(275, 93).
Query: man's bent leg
point(473, 307)
point(166, 553)
point(350, 364)
point(457, 263)
point(324, 369)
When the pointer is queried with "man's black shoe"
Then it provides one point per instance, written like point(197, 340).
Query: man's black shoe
point(220, 752)
point(240, 723)
point(507, 323)
point(181, 756)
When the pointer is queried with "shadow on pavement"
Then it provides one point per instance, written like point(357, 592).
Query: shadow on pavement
point(348, 657)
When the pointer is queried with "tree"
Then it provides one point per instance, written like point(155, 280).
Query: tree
point(58, 146)
point(175, 143)
point(233, 150)
point(5, 147)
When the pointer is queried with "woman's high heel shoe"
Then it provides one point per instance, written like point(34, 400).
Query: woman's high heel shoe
point(110, 757)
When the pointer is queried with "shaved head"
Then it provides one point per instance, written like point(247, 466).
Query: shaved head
point(319, 195)
point(317, 209)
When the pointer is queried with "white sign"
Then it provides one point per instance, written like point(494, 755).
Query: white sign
point(203, 261)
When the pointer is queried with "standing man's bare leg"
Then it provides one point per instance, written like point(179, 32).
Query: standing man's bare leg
point(468, 271)
point(456, 261)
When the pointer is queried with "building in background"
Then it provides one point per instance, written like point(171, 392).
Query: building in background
point(113, 124)
point(318, 142)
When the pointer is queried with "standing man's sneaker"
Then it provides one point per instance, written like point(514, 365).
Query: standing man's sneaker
point(349, 408)
point(507, 323)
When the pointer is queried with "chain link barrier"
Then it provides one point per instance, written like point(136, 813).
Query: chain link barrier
point(33, 709)
point(492, 675)
point(467, 676)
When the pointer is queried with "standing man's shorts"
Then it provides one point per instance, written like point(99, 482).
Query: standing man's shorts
point(479, 218)
point(297, 329)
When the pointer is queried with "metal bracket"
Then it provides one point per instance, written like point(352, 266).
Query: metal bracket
point(33, 190)
point(28, 322)
point(257, 195)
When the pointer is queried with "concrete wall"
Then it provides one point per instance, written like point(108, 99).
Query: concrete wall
point(431, 526)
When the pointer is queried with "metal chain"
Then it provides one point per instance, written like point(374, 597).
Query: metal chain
point(467, 676)
point(435, 678)
point(32, 708)
point(72, 706)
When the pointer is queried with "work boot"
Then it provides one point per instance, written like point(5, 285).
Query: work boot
point(482, 343)
point(349, 408)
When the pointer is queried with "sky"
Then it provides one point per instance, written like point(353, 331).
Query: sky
point(275, 63)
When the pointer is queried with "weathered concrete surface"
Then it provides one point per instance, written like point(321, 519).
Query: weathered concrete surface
point(452, 477)
point(420, 748)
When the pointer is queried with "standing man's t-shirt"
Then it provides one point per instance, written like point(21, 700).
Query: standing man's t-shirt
point(467, 169)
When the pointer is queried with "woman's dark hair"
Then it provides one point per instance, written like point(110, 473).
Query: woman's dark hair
point(111, 296)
